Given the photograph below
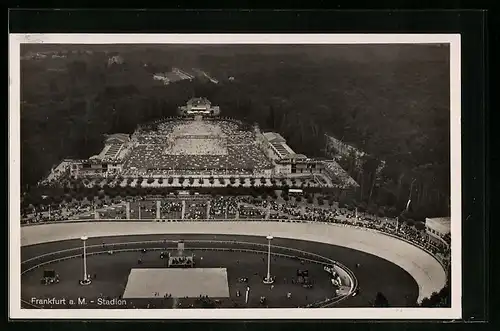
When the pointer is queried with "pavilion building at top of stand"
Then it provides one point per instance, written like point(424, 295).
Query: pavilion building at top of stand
point(199, 106)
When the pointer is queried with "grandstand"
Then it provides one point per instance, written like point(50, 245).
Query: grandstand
point(143, 209)
point(184, 146)
point(335, 171)
point(223, 208)
point(198, 146)
point(277, 145)
point(196, 210)
point(250, 212)
point(171, 210)
point(117, 138)
point(116, 147)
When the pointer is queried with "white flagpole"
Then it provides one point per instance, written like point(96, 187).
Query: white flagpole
point(408, 204)
point(247, 294)
point(409, 195)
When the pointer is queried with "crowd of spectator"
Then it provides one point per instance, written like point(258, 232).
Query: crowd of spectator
point(251, 212)
point(293, 210)
point(197, 146)
point(150, 139)
point(155, 160)
point(246, 207)
point(48, 214)
point(223, 207)
point(159, 173)
point(195, 210)
point(171, 209)
point(194, 145)
point(368, 221)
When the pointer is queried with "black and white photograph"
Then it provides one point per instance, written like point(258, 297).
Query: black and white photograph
point(235, 176)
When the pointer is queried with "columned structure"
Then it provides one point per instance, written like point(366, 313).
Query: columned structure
point(268, 279)
point(208, 209)
point(127, 207)
point(86, 279)
point(183, 211)
point(247, 294)
point(158, 209)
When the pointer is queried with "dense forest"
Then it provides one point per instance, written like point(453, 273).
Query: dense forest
point(390, 101)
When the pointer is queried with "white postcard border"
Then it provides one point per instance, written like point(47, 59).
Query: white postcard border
point(15, 311)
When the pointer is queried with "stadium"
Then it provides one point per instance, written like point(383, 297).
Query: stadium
point(199, 211)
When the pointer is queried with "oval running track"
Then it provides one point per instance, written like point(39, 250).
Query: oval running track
point(423, 267)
